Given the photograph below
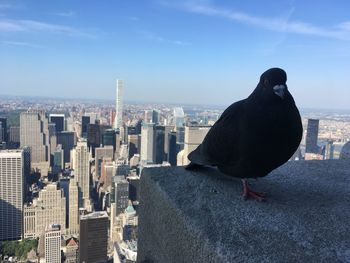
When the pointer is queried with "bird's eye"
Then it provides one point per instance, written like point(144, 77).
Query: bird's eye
point(266, 82)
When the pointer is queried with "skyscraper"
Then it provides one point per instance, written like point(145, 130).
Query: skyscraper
point(34, 133)
point(311, 136)
point(179, 117)
point(147, 141)
point(194, 135)
point(59, 120)
point(73, 204)
point(12, 191)
point(53, 244)
point(159, 134)
point(68, 141)
point(81, 166)
point(119, 105)
point(172, 148)
point(121, 194)
point(85, 121)
point(93, 238)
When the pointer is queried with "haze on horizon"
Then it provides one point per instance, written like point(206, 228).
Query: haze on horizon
point(186, 51)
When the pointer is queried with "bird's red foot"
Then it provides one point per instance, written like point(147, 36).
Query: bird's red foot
point(247, 192)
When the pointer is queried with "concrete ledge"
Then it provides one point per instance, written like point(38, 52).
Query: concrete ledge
point(188, 216)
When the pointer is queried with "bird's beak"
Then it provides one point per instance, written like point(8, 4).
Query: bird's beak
point(279, 90)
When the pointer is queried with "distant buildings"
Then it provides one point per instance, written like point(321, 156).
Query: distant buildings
point(14, 168)
point(93, 237)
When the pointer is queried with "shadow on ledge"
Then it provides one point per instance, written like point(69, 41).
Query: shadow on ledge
point(188, 216)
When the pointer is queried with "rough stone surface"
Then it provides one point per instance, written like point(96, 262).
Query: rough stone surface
point(188, 216)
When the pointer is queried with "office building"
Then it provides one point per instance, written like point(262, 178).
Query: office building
point(93, 237)
point(111, 137)
point(68, 140)
point(15, 134)
point(14, 167)
point(85, 121)
point(155, 116)
point(3, 129)
point(147, 142)
point(172, 148)
point(100, 153)
point(194, 136)
point(72, 249)
point(159, 136)
point(58, 120)
point(311, 136)
point(58, 160)
point(34, 133)
point(328, 150)
point(94, 135)
point(134, 142)
point(118, 123)
point(81, 166)
point(121, 194)
point(53, 244)
point(73, 204)
point(179, 117)
point(47, 209)
point(167, 130)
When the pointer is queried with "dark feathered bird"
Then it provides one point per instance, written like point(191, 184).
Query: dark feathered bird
point(255, 135)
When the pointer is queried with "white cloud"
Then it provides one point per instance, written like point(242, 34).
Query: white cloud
point(279, 24)
point(154, 37)
point(66, 14)
point(22, 44)
point(36, 26)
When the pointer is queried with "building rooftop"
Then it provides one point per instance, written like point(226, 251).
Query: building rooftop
point(94, 215)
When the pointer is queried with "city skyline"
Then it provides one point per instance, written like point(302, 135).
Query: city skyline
point(175, 52)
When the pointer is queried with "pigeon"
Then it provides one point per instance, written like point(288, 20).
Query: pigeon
point(255, 135)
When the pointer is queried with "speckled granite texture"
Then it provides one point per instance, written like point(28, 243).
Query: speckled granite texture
point(199, 216)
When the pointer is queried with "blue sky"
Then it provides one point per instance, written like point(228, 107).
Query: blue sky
point(183, 51)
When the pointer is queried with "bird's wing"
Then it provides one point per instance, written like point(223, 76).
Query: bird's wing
point(220, 144)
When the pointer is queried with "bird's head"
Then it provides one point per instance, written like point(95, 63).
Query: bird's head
point(273, 83)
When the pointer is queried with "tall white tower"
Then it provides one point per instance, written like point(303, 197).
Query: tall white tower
point(119, 105)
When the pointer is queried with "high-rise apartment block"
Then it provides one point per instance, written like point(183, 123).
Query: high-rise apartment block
point(118, 123)
point(93, 239)
point(53, 244)
point(14, 167)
